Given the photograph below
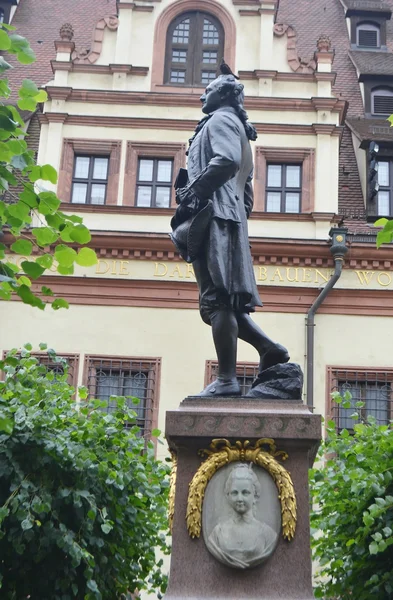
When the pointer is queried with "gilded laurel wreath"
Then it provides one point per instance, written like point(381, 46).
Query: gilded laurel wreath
point(263, 454)
point(172, 487)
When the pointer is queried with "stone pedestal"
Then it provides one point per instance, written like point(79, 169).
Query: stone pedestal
point(195, 574)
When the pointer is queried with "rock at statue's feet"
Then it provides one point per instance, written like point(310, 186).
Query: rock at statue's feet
point(221, 387)
point(280, 382)
point(275, 355)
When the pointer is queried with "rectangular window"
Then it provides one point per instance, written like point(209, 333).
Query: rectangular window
point(90, 179)
point(283, 188)
point(385, 178)
point(154, 182)
point(106, 377)
point(57, 368)
point(371, 387)
point(246, 373)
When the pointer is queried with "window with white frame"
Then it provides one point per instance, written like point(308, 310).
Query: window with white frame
point(283, 188)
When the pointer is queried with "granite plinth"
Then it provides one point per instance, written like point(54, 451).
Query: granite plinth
point(195, 574)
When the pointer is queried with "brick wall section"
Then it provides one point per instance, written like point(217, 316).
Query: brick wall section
point(311, 18)
point(40, 20)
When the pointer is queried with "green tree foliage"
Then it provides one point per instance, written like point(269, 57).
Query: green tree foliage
point(352, 519)
point(82, 503)
point(31, 213)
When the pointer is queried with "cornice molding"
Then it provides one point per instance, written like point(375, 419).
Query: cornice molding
point(98, 69)
point(180, 124)
point(164, 99)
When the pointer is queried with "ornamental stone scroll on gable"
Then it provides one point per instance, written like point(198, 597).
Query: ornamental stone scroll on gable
point(90, 55)
point(294, 61)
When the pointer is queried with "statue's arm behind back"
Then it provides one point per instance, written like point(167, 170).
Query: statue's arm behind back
point(223, 136)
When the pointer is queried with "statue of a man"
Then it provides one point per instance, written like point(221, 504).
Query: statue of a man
point(210, 230)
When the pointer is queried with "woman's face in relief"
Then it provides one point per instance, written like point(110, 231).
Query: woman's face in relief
point(241, 495)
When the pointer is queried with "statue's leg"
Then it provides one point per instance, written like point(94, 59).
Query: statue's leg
point(270, 352)
point(225, 334)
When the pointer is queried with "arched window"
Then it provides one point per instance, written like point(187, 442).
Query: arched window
point(368, 35)
point(382, 101)
point(194, 48)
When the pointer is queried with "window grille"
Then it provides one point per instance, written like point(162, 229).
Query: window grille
point(367, 36)
point(138, 378)
point(57, 368)
point(195, 43)
point(382, 101)
point(246, 373)
point(371, 387)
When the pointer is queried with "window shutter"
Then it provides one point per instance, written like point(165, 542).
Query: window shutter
point(382, 105)
point(368, 38)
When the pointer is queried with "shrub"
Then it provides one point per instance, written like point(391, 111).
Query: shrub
point(82, 501)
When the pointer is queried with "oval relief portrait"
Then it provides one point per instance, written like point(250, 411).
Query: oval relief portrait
point(241, 517)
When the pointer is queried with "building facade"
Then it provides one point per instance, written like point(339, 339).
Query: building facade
point(123, 82)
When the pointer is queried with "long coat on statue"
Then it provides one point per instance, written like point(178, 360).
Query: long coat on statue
point(220, 168)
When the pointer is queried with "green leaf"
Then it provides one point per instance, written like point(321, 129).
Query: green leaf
point(22, 280)
point(86, 257)
point(65, 256)
point(4, 65)
point(26, 57)
point(5, 42)
point(48, 173)
point(156, 432)
point(28, 297)
point(29, 197)
point(28, 88)
point(80, 234)
point(44, 236)
point(27, 104)
point(92, 585)
point(46, 261)
point(60, 303)
point(27, 524)
point(18, 42)
point(46, 291)
point(24, 247)
point(17, 146)
point(106, 527)
point(42, 96)
point(32, 269)
point(35, 173)
point(19, 210)
point(384, 237)
point(65, 270)
point(373, 548)
point(49, 202)
point(6, 425)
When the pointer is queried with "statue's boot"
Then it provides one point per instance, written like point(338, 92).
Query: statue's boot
point(274, 355)
point(221, 387)
point(270, 352)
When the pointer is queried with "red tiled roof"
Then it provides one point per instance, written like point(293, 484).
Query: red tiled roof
point(40, 20)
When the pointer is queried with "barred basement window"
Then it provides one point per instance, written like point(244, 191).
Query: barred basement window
point(246, 373)
point(368, 36)
point(119, 376)
point(57, 368)
point(382, 101)
point(372, 387)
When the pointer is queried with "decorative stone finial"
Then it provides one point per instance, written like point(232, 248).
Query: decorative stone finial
point(324, 43)
point(66, 32)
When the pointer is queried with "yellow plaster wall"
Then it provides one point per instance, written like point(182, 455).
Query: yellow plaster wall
point(184, 343)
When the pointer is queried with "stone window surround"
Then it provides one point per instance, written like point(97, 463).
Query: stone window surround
point(90, 147)
point(303, 156)
point(151, 365)
point(136, 150)
point(160, 34)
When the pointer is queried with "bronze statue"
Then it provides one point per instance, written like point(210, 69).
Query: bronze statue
point(210, 230)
